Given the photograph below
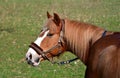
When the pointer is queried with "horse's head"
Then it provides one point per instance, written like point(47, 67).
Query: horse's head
point(50, 42)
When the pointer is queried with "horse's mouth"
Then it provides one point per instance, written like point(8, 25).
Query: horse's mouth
point(35, 64)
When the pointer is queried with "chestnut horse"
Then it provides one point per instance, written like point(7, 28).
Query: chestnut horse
point(98, 49)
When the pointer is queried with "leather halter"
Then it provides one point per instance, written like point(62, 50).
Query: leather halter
point(38, 50)
point(60, 43)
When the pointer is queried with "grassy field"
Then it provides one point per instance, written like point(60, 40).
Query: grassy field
point(21, 21)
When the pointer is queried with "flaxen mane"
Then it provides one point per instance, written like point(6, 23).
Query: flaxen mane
point(80, 37)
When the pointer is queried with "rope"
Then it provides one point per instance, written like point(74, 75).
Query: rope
point(66, 62)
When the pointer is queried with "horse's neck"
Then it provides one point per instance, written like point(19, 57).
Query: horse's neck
point(80, 37)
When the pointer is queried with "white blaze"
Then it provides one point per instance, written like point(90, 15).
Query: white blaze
point(38, 42)
point(40, 39)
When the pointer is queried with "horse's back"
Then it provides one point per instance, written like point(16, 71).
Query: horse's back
point(104, 58)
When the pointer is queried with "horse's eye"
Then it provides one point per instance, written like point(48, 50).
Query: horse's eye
point(49, 34)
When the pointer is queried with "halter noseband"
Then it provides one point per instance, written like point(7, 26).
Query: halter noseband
point(39, 51)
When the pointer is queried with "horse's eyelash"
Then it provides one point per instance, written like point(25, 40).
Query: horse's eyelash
point(49, 34)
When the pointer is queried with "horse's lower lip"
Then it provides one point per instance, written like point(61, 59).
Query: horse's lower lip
point(35, 64)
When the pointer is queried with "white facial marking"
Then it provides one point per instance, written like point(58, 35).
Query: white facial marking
point(39, 39)
point(33, 52)
point(38, 42)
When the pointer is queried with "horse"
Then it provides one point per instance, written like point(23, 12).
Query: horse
point(97, 48)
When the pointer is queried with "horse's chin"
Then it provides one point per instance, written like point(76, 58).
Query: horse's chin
point(36, 64)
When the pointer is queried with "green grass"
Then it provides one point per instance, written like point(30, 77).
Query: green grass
point(21, 21)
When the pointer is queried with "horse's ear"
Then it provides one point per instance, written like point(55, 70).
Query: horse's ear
point(56, 19)
point(48, 15)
